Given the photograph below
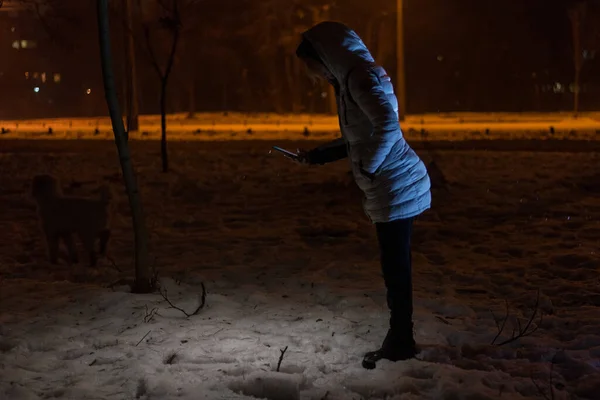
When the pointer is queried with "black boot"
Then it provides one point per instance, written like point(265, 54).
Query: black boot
point(396, 264)
point(397, 346)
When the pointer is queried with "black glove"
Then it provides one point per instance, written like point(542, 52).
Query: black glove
point(310, 157)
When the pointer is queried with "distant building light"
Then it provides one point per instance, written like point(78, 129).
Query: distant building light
point(36, 89)
point(43, 77)
point(28, 44)
point(558, 88)
point(440, 58)
point(26, 75)
point(36, 75)
point(56, 78)
point(12, 29)
point(88, 91)
point(16, 45)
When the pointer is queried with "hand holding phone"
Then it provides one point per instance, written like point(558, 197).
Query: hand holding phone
point(300, 156)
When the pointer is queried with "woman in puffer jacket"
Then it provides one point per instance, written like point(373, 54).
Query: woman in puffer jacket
point(391, 175)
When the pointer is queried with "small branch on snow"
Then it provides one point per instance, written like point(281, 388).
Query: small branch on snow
point(136, 345)
point(150, 314)
point(214, 333)
point(281, 358)
point(518, 330)
point(499, 326)
point(543, 393)
point(113, 263)
point(202, 302)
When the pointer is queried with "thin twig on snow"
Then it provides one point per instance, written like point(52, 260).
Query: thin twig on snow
point(281, 357)
point(518, 330)
point(202, 302)
point(136, 345)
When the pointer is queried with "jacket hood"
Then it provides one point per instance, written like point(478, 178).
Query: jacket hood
point(339, 48)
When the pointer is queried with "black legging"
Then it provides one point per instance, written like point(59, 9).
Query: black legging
point(396, 264)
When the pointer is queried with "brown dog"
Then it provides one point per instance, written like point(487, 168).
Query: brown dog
point(62, 217)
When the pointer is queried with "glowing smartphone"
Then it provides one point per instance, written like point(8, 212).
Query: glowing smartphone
point(287, 153)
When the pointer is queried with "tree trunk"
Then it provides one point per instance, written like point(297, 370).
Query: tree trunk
point(144, 282)
point(576, 15)
point(163, 125)
point(132, 92)
point(164, 79)
point(576, 25)
point(125, 87)
point(576, 60)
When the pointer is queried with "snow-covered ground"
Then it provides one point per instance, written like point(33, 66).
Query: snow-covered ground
point(289, 260)
point(237, 126)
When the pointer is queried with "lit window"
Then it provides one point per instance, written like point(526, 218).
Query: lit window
point(16, 45)
point(558, 88)
point(88, 91)
point(56, 78)
point(43, 77)
point(25, 44)
point(26, 75)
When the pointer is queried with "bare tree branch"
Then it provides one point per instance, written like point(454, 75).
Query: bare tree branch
point(518, 330)
point(176, 30)
point(150, 48)
point(202, 302)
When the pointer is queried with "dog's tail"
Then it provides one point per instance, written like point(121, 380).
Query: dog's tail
point(105, 194)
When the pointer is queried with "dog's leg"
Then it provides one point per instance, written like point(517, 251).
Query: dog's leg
point(52, 241)
point(71, 249)
point(104, 236)
point(88, 245)
point(93, 258)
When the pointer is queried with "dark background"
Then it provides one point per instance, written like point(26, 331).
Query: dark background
point(461, 55)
